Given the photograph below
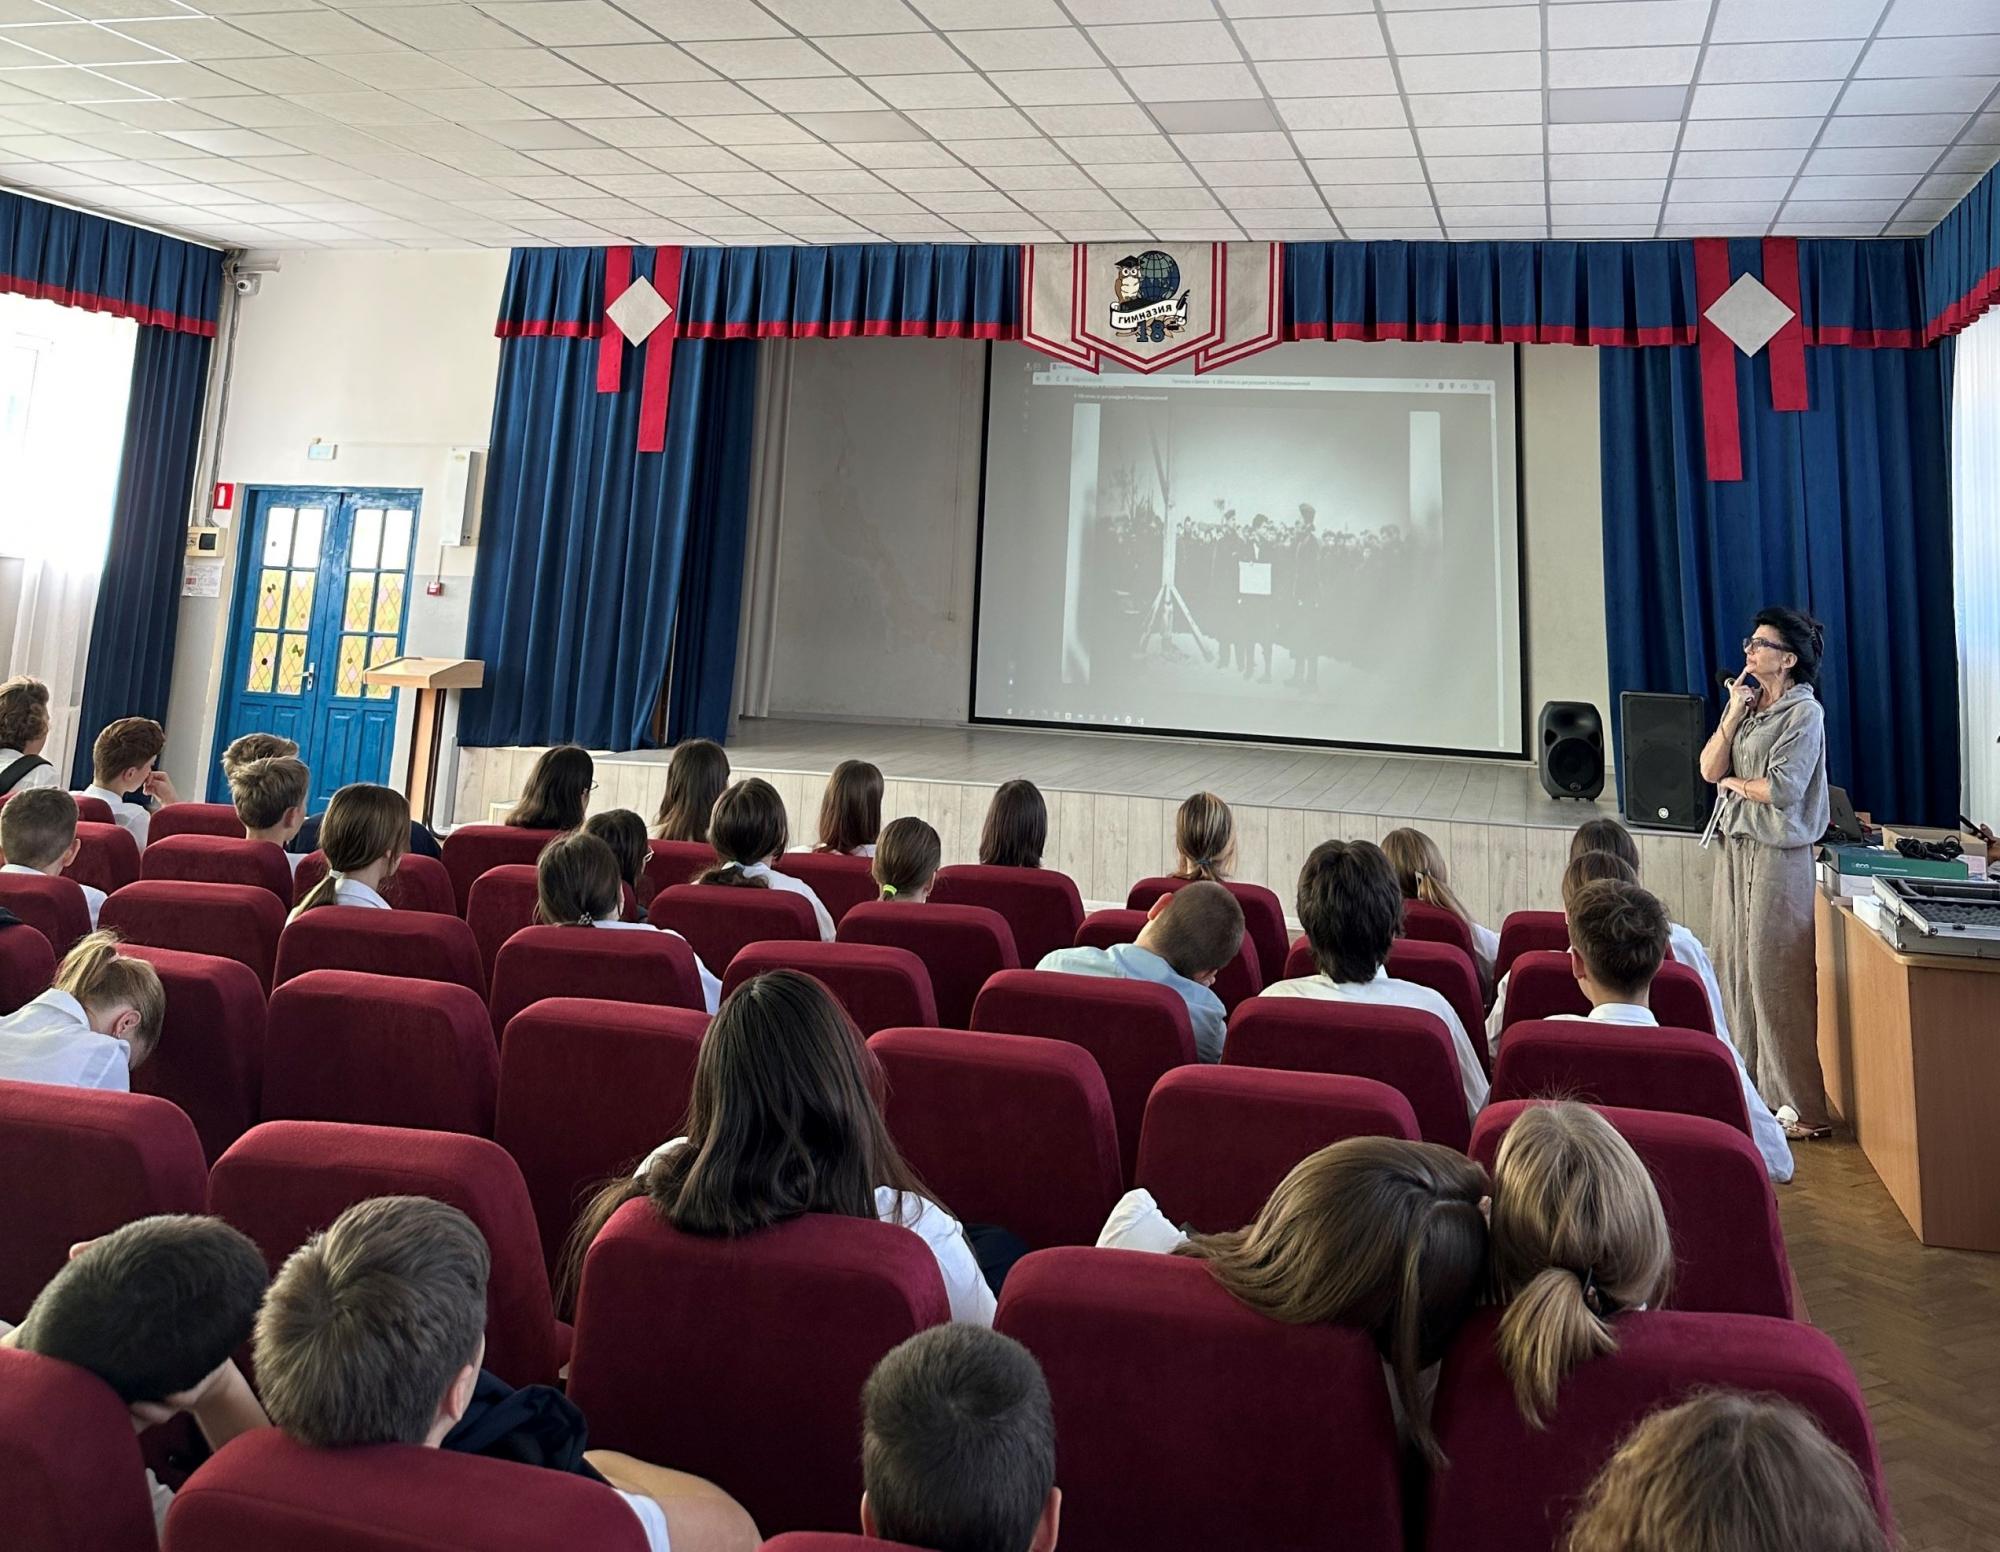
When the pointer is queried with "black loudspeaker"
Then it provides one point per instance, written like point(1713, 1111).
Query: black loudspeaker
point(1660, 754)
point(1569, 744)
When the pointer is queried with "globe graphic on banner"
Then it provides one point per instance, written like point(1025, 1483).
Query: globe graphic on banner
point(1159, 276)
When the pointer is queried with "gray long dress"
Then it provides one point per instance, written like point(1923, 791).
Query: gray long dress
point(1764, 949)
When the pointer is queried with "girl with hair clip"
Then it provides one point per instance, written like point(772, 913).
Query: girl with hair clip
point(557, 792)
point(696, 775)
point(625, 833)
point(1205, 838)
point(1016, 828)
point(1372, 1232)
point(785, 1119)
point(364, 835)
point(93, 1027)
point(577, 884)
point(907, 860)
point(1578, 1237)
point(749, 833)
point(850, 815)
point(1420, 870)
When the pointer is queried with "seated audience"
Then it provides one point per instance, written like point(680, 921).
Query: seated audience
point(1588, 867)
point(121, 762)
point(696, 775)
point(558, 790)
point(38, 835)
point(157, 1309)
point(1420, 873)
point(906, 860)
point(576, 885)
point(783, 1121)
point(255, 746)
point(1188, 937)
point(24, 733)
point(1204, 839)
point(373, 1332)
point(850, 815)
point(625, 833)
point(93, 1027)
point(958, 1445)
point(1726, 1472)
point(1577, 1236)
point(270, 797)
point(269, 746)
point(749, 832)
point(1373, 1232)
point(1016, 828)
point(1352, 911)
point(365, 831)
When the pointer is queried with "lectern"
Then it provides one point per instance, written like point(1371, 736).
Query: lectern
point(433, 678)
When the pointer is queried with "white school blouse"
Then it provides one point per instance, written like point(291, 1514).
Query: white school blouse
point(792, 886)
point(127, 816)
point(351, 891)
point(50, 1041)
point(40, 776)
point(711, 988)
point(93, 899)
point(1384, 988)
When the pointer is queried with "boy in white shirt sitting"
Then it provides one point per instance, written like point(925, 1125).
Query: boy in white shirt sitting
point(38, 835)
point(121, 761)
point(93, 1028)
point(1618, 937)
point(270, 797)
point(1352, 908)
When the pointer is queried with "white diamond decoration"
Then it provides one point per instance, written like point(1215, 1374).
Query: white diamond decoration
point(642, 309)
point(1748, 314)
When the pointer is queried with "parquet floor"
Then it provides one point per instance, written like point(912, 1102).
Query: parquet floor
point(1922, 1329)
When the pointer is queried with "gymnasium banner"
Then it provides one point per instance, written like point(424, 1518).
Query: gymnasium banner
point(1150, 307)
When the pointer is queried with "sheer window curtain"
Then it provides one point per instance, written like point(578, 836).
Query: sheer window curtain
point(1975, 524)
point(757, 629)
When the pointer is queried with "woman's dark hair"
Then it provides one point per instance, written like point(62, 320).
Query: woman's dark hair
point(557, 791)
point(906, 858)
point(747, 827)
point(696, 776)
point(576, 881)
point(625, 833)
point(1351, 908)
point(1805, 639)
point(850, 815)
point(1017, 827)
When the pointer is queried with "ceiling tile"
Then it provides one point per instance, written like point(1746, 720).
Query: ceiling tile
point(799, 156)
point(1858, 186)
point(1101, 119)
point(195, 38)
point(746, 129)
point(1472, 73)
point(516, 66)
point(1054, 88)
point(1891, 129)
point(1748, 134)
point(817, 18)
point(1327, 78)
point(1968, 54)
point(1936, 18)
point(764, 59)
point(312, 32)
point(1843, 161)
point(1453, 168)
point(1492, 30)
point(1608, 191)
point(1775, 162)
point(173, 80)
point(1622, 66)
point(1190, 83)
point(1028, 48)
point(1611, 23)
point(817, 94)
point(1196, 117)
point(1110, 150)
point(557, 22)
point(649, 131)
point(1778, 21)
point(1716, 190)
point(577, 102)
point(625, 63)
point(1618, 104)
point(1378, 169)
point(1796, 99)
point(1482, 140)
point(957, 89)
point(1752, 62)
point(972, 123)
point(1301, 37)
point(879, 128)
point(1475, 108)
point(433, 27)
point(1344, 112)
point(399, 70)
point(1935, 95)
point(1179, 43)
point(1249, 148)
point(896, 53)
point(1358, 142)
point(1163, 175)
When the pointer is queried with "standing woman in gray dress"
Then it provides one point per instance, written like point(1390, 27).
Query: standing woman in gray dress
point(1767, 760)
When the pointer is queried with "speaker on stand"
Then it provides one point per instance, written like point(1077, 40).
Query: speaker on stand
point(1569, 749)
point(1660, 739)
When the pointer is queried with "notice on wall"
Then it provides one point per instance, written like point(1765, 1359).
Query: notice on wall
point(202, 579)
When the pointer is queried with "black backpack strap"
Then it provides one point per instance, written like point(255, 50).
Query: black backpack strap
point(25, 766)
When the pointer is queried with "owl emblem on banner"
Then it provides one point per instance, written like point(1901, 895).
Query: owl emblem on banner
point(1146, 309)
point(1144, 305)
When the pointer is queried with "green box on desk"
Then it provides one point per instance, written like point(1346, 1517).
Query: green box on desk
point(1880, 862)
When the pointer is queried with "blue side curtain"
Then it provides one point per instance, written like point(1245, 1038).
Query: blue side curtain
point(130, 669)
point(1961, 260)
point(103, 266)
point(1844, 510)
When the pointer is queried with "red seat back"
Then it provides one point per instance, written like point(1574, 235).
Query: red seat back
point(1406, 1048)
point(1217, 1140)
point(1512, 1487)
point(787, 1323)
point(237, 921)
point(107, 857)
point(1528, 932)
point(1136, 1030)
point(840, 881)
point(960, 945)
point(1452, 975)
point(1434, 924)
point(91, 810)
point(1238, 981)
point(471, 849)
point(380, 1050)
point(676, 862)
point(1006, 1129)
point(881, 988)
point(418, 884)
point(193, 819)
point(77, 1163)
point(418, 945)
point(639, 967)
point(74, 1475)
point(830, 1541)
point(202, 858)
point(1542, 985)
point(27, 966)
point(284, 1181)
point(1616, 1064)
point(1042, 907)
point(719, 919)
point(1187, 1419)
point(501, 903)
point(54, 907)
point(1263, 916)
point(1729, 1249)
point(210, 1059)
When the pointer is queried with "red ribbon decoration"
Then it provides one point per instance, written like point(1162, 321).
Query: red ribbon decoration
point(659, 374)
point(1788, 345)
point(1720, 434)
point(611, 342)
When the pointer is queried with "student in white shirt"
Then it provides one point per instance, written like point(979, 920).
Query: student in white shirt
point(850, 815)
point(24, 733)
point(270, 796)
point(122, 761)
point(363, 836)
point(1420, 872)
point(92, 1028)
point(906, 861)
point(1352, 910)
point(1190, 934)
point(576, 885)
point(624, 831)
point(749, 832)
point(374, 1331)
point(784, 1121)
point(38, 835)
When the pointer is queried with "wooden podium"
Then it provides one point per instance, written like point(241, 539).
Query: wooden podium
point(433, 678)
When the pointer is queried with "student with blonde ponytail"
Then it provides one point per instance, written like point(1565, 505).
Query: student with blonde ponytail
point(90, 1030)
point(1205, 838)
point(364, 835)
point(1420, 871)
point(906, 860)
point(577, 885)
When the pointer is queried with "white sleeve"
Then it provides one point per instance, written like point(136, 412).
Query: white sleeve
point(93, 900)
point(1471, 1075)
point(42, 776)
point(163, 1500)
point(964, 1284)
point(822, 916)
point(1766, 1130)
point(651, 1516)
point(1137, 1223)
point(1485, 949)
point(1689, 951)
point(711, 988)
point(1496, 1020)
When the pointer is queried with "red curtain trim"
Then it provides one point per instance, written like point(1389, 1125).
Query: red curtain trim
point(152, 317)
point(1980, 296)
point(1722, 435)
point(545, 328)
point(1490, 334)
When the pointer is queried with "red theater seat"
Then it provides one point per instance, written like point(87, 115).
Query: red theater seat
point(284, 1181)
point(719, 919)
point(419, 945)
point(881, 988)
point(830, 1541)
point(587, 1089)
point(418, 884)
point(1542, 985)
point(841, 882)
point(1263, 916)
point(501, 903)
point(960, 945)
point(471, 849)
point(77, 1163)
point(1008, 1129)
point(676, 862)
point(1529, 932)
point(237, 921)
point(1042, 907)
point(210, 1059)
point(1512, 1487)
point(1449, 973)
point(107, 857)
point(639, 967)
point(1615, 1064)
point(1729, 1249)
point(219, 819)
point(54, 907)
point(1185, 1419)
point(784, 1324)
point(380, 1050)
point(27, 966)
point(1136, 1030)
point(1217, 1140)
point(1434, 924)
point(74, 1478)
point(1406, 1048)
point(1240, 978)
point(200, 858)
point(91, 810)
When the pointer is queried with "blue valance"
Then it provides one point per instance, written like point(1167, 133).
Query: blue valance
point(1961, 261)
point(105, 266)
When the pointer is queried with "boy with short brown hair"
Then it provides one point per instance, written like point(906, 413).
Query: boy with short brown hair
point(122, 761)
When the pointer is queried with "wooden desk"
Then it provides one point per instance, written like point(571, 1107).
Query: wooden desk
point(1910, 1045)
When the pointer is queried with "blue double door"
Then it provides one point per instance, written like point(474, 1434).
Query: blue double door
point(322, 595)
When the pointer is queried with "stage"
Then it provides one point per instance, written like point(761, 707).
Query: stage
point(1112, 799)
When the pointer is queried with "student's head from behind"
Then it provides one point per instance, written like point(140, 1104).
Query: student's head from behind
point(577, 882)
point(557, 790)
point(38, 829)
point(747, 827)
point(123, 756)
point(255, 746)
point(696, 775)
point(907, 858)
point(152, 1308)
point(1728, 1472)
point(1350, 908)
point(1617, 939)
point(1594, 867)
point(624, 831)
point(1372, 1232)
point(1197, 929)
point(850, 815)
point(958, 1445)
point(1578, 1236)
point(365, 826)
point(121, 997)
point(24, 715)
point(1420, 870)
point(373, 1330)
point(1605, 835)
point(1016, 828)
point(270, 795)
point(1205, 838)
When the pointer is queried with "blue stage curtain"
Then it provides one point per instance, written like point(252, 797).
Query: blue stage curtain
point(131, 663)
point(1843, 509)
point(1961, 261)
point(105, 266)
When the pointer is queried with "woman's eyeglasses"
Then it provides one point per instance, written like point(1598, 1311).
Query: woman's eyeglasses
point(1750, 643)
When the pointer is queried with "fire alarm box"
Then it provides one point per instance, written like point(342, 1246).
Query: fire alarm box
point(204, 543)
